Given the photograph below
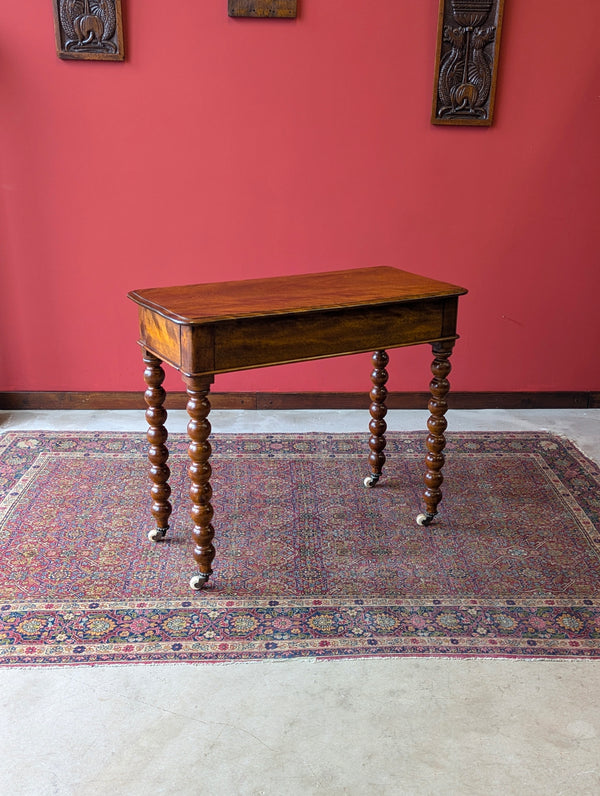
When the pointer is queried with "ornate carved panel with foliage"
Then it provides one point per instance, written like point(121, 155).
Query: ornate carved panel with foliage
point(89, 29)
point(467, 61)
point(262, 8)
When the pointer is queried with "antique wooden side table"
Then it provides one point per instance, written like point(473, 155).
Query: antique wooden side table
point(202, 330)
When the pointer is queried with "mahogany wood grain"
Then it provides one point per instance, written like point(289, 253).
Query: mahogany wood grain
point(215, 328)
point(158, 453)
point(437, 424)
point(378, 411)
point(231, 326)
point(284, 295)
point(199, 451)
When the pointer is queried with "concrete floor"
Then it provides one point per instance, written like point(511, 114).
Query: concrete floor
point(385, 726)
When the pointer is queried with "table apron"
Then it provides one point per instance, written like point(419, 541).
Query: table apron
point(253, 342)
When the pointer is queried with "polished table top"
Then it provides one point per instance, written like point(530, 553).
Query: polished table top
point(228, 326)
point(360, 287)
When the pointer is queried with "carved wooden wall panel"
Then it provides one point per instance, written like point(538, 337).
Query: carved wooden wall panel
point(89, 29)
point(262, 8)
point(467, 61)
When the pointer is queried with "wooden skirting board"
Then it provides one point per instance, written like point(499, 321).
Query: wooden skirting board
point(301, 400)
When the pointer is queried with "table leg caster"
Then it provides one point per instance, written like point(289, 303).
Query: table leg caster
point(425, 519)
point(199, 581)
point(371, 480)
point(158, 534)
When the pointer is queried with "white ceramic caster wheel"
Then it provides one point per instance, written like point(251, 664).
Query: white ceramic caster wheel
point(198, 582)
point(371, 480)
point(424, 519)
point(156, 535)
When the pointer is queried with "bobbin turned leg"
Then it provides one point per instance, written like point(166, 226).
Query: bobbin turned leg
point(378, 410)
point(198, 407)
point(437, 424)
point(158, 453)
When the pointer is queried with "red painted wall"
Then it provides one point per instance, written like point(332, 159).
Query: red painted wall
point(226, 149)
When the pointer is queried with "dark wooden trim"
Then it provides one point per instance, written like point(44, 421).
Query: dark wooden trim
point(114, 400)
point(301, 400)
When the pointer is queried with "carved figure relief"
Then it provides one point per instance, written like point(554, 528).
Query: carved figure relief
point(467, 61)
point(262, 8)
point(90, 29)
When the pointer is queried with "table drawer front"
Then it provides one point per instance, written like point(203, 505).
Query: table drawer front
point(255, 342)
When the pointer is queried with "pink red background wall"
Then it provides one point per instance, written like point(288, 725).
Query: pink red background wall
point(225, 149)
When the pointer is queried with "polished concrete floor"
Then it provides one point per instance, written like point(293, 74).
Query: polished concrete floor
point(384, 726)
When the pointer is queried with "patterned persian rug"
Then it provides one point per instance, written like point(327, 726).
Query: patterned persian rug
point(309, 562)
